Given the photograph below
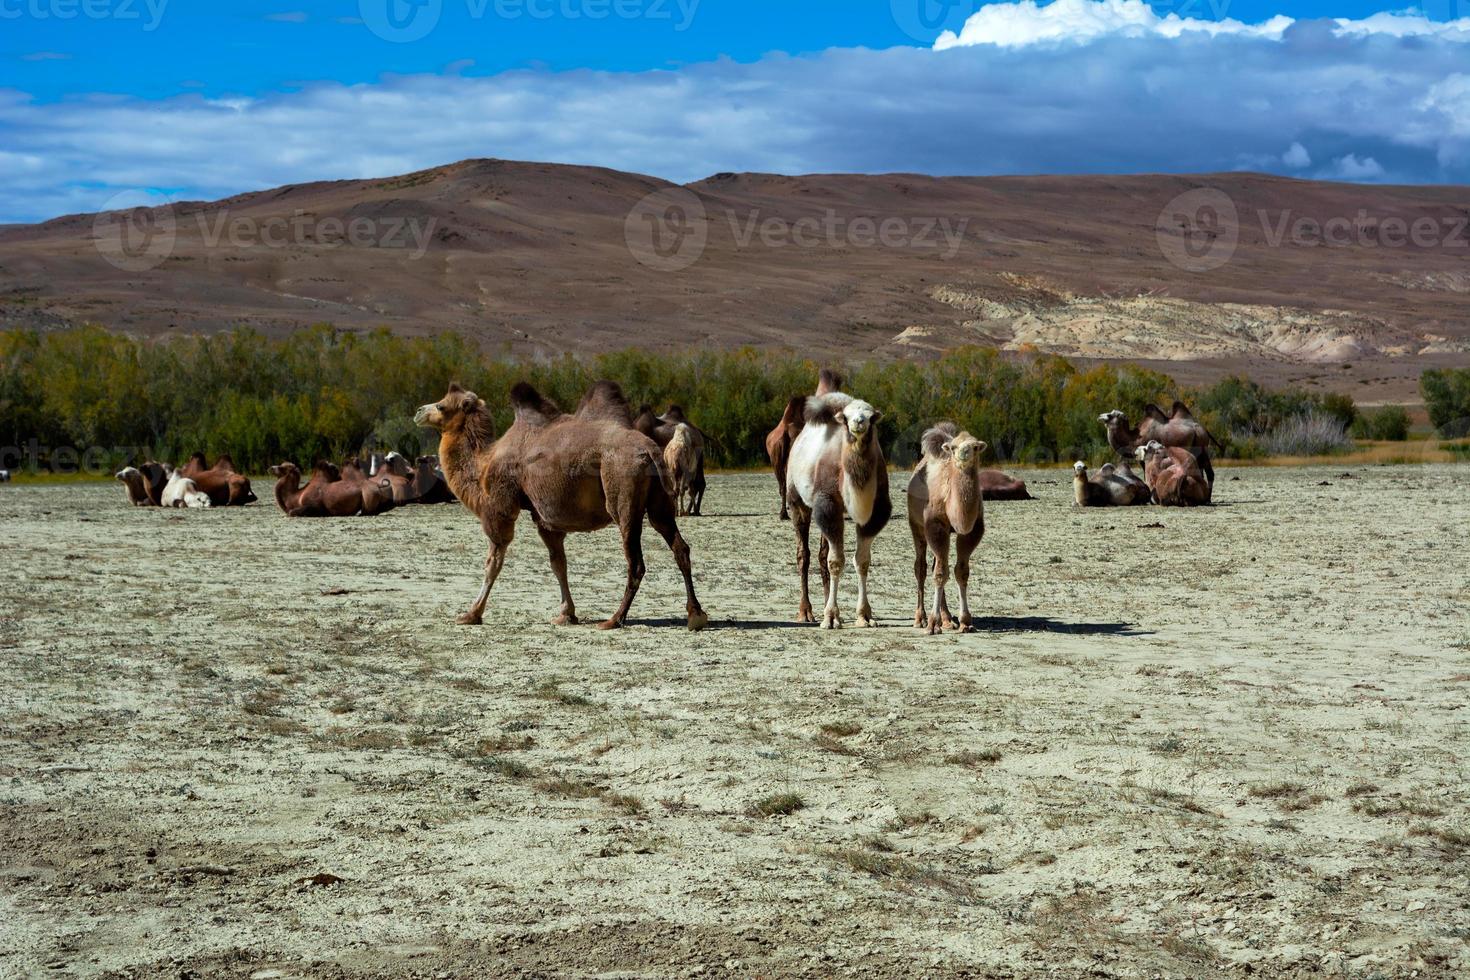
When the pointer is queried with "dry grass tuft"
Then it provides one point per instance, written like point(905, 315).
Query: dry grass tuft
point(973, 758)
point(778, 805)
point(898, 871)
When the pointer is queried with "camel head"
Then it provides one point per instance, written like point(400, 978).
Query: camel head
point(1114, 420)
point(1145, 453)
point(395, 464)
point(964, 449)
point(858, 418)
point(450, 413)
point(1080, 468)
point(285, 470)
point(128, 474)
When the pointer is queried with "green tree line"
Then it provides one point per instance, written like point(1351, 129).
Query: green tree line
point(326, 393)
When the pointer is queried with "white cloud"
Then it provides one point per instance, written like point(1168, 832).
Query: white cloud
point(1374, 105)
point(1296, 157)
point(1027, 22)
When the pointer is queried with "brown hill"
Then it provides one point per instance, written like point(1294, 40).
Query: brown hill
point(536, 258)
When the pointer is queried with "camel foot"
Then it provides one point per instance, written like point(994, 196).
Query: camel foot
point(831, 619)
point(785, 516)
point(468, 619)
point(946, 620)
point(865, 617)
point(565, 619)
point(963, 625)
point(934, 628)
point(698, 620)
point(610, 624)
point(921, 620)
point(804, 615)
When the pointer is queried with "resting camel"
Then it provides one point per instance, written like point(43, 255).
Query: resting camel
point(661, 428)
point(376, 492)
point(224, 486)
point(181, 492)
point(1173, 476)
point(836, 468)
point(326, 494)
point(393, 470)
point(578, 472)
point(137, 490)
point(1178, 429)
point(429, 486)
point(682, 460)
point(1109, 487)
point(945, 497)
point(995, 485)
point(778, 442)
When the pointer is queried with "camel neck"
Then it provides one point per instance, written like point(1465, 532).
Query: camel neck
point(286, 487)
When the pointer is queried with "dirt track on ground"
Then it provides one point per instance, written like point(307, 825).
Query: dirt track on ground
point(1238, 739)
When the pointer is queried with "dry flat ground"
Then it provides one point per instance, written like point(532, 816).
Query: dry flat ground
point(1181, 744)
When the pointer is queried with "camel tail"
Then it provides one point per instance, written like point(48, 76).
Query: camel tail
point(665, 476)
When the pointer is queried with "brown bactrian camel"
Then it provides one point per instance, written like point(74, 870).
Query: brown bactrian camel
point(945, 498)
point(661, 428)
point(376, 491)
point(837, 469)
point(393, 469)
point(429, 486)
point(578, 472)
point(995, 485)
point(223, 485)
point(326, 494)
point(132, 480)
point(778, 442)
point(1173, 476)
point(1178, 429)
point(1110, 486)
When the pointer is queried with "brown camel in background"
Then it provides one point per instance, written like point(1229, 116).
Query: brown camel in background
point(995, 485)
point(661, 429)
point(429, 485)
point(1173, 476)
point(1110, 486)
point(1177, 429)
point(220, 482)
point(578, 472)
point(326, 494)
point(945, 498)
point(779, 440)
point(376, 491)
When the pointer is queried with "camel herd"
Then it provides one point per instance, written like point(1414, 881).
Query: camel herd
point(601, 465)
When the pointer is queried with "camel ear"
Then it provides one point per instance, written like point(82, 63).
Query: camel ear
point(840, 419)
point(980, 446)
point(946, 448)
point(454, 387)
point(877, 416)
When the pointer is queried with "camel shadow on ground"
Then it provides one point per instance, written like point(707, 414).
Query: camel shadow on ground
point(983, 624)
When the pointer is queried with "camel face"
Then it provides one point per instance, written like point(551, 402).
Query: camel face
point(449, 410)
point(1080, 468)
point(858, 418)
point(965, 450)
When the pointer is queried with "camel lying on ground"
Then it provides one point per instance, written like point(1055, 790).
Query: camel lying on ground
point(1178, 429)
point(376, 491)
point(780, 439)
point(182, 492)
point(995, 485)
point(224, 486)
point(429, 485)
point(661, 429)
point(326, 494)
point(1173, 476)
point(137, 490)
point(836, 469)
point(578, 472)
point(1110, 486)
point(945, 497)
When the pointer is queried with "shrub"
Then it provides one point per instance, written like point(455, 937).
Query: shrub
point(1313, 433)
point(1447, 396)
point(1388, 424)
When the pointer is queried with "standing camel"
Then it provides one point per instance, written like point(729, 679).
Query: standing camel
point(1173, 476)
point(661, 428)
point(1178, 429)
point(837, 469)
point(578, 472)
point(945, 497)
point(682, 459)
point(780, 439)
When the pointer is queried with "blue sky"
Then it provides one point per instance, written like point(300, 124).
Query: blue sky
point(190, 98)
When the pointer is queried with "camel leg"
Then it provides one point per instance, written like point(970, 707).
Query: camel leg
point(828, 518)
point(663, 522)
point(494, 561)
point(1204, 464)
point(964, 545)
point(938, 538)
point(632, 531)
point(555, 542)
point(801, 521)
point(864, 561)
point(822, 553)
point(781, 485)
point(921, 567)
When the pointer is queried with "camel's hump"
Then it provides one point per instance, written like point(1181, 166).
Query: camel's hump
point(823, 409)
point(532, 407)
point(605, 402)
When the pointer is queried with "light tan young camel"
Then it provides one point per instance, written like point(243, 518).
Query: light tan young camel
point(578, 472)
point(681, 457)
point(945, 497)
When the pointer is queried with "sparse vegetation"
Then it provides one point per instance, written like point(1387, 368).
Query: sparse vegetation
point(778, 804)
point(973, 758)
